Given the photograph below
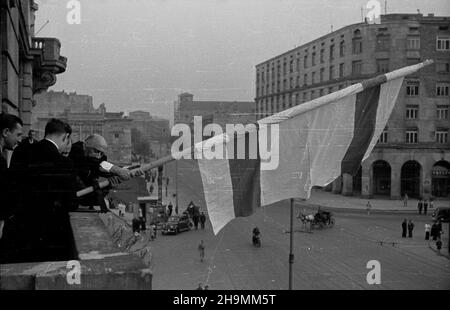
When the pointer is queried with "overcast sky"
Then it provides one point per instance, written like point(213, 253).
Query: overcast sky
point(140, 54)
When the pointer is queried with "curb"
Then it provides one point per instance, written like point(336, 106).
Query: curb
point(399, 211)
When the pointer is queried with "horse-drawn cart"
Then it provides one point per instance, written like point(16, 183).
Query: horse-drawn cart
point(322, 219)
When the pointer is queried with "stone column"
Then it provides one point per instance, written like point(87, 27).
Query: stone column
point(426, 177)
point(367, 181)
point(347, 185)
point(337, 185)
point(395, 181)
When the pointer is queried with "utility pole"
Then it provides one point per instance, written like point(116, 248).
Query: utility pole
point(176, 184)
point(160, 177)
point(291, 244)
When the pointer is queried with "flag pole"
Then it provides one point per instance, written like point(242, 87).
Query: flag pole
point(276, 118)
point(291, 244)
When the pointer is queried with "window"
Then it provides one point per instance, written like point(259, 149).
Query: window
point(291, 66)
point(284, 67)
point(331, 72)
point(412, 88)
point(342, 49)
point(442, 111)
point(313, 78)
point(441, 136)
point(411, 136)
point(305, 79)
point(383, 42)
point(297, 99)
point(313, 94)
point(304, 96)
point(321, 92)
point(330, 90)
point(443, 66)
point(442, 89)
point(297, 84)
point(412, 111)
point(305, 61)
point(331, 52)
point(413, 43)
point(322, 72)
point(298, 64)
point(356, 67)
point(313, 59)
point(357, 46)
point(383, 137)
point(382, 65)
point(291, 82)
point(285, 86)
point(341, 70)
point(322, 55)
point(443, 43)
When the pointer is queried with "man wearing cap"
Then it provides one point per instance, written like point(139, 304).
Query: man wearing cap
point(91, 163)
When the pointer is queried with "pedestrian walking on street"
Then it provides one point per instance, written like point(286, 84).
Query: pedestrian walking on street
point(368, 207)
point(404, 226)
point(434, 231)
point(196, 219)
point(427, 231)
point(425, 206)
point(410, 228)
point(420, 206)
point(170, 207)
point(201, 249)
point(203, 220)
point(439, 245)
point(405, 201)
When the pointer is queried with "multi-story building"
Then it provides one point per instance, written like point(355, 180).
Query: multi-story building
point(155, 130)
point(413, 153)
point(29, 64)
point(151, 127)
point(79, 112)
point(218, 112)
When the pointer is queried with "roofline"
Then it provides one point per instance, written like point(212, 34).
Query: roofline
point(423, 18)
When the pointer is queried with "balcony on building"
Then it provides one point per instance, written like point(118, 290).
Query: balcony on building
point(47, 62)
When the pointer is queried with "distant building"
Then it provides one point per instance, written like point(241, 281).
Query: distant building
point(29, 64)
point(218, 112)
point(155, 130)
point(79, 112)
point(413, 153)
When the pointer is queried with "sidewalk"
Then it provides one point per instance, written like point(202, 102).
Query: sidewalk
point(329, 200)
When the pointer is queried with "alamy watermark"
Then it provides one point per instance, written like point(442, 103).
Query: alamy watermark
point(73, 276)
point(374, 275)
point(250, 135)
point(74, 15)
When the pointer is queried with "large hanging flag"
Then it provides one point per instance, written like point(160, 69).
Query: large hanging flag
point(317, 142)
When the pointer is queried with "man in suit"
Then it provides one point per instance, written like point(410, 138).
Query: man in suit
point(42, 224)
point(30, 139)
point(10, 134)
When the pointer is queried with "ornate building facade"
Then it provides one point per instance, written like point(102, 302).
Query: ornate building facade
point(29, 64)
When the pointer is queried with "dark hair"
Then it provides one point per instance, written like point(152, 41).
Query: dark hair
point(9, 121)
point(57, 126)
point(31, 131)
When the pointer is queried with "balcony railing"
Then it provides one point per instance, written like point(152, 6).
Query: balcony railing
point(49, 51)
